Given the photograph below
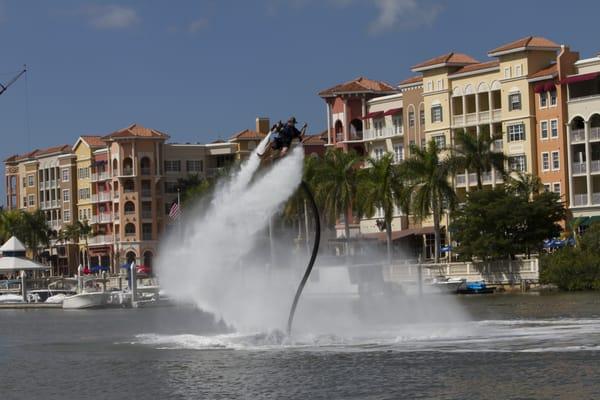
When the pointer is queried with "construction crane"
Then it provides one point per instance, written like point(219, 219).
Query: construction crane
point(5, 86)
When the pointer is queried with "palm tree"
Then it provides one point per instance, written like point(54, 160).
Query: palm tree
point(35, 231)
point(336, 182)
point(524, 184)
point(85, 231)
point(70, 233)
point(474, 153)
point(384, 189)
point(11, 224)
point(429, 186)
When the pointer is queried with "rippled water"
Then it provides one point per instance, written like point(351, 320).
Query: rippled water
point(512, 346)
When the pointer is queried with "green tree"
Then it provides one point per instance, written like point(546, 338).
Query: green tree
point(70, 233)
point(498, 224)
point(474, 152)
point(524, 184)
point(383, 189)
point(35, 231)
point(192, 187)
point(85, 232)
point(337, 179)
point(428, 174)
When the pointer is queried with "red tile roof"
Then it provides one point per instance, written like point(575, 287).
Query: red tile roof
point(359, 85)
point(448, 59)
point(477, 67)
point(136, 130)
point(65, 149)
point(412, 79)
point(94, 140)
point(525, 43)
point(248, 134)
point(549, 70)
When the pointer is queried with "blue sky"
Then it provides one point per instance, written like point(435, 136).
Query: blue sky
point(202, 70)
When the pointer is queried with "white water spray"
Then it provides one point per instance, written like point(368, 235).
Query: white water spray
point(208, 259)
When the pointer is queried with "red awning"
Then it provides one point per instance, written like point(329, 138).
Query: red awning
point(539, 88)
point(544, 87)
point(393, 111)
point(581, 78)
point(549, 86)
point(375, 114)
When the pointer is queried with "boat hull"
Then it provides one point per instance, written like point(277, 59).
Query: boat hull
point(85, 300)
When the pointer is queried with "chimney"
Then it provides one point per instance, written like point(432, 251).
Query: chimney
point(263, 125)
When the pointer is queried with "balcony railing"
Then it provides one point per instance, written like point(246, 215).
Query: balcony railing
point(577, 135)
point(100, 239)
point(486, 177)
point(580, 199)
point(116, 217)
point(370, 134)
point(484, 116)
point(461, 180)
point(595, 133)
point(471, 118)
point(115, 194)
point(496, 115)
point(339, 137)
point(595, 198)
point(595, 166)
point(127, 171)
point(101, 196)
point(578, 168)
point(100, 176)
point(458, 120)
point(101, 218)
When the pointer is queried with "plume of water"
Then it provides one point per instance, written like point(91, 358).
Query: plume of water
point(208, 259)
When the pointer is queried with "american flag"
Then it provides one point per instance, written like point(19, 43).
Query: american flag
point(175, 210)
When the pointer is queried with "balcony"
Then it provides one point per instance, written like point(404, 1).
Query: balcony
point(498, 145)
point(595, 198)
point(101, 196)
point(373, 134)
point(101, 176)
point(471, 118)
point(458, 120)
point(595, 166)
point(461, 180)
point(101, 218)
point(116, 217)
point(116, 195)
point(580, 199)
point(127, 172)
point(497, 115)
point(484, 116)
point(595, 133)
point(578, 168)
point(100, 239)
point(577, 135)
point(486, 178)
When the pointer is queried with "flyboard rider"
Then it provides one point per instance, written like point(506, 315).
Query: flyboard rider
point(283, 135)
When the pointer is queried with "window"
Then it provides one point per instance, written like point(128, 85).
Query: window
point(516, 132)
point(430, 86)
point(170, 187)
point(66, 174)
point(398, 153)
point(554, 128)
point(378, 152)
point(24, 182)
point(556, 187)
point(555, 161)
point(422, 117)
point(518, 70)
point(31, 201)
point(544, 129)
point(130, 229)
point(506, 72)
point(378, 125)
point(423, 143)
point(66, 215)
point(193, 165)
point(545, 161)
point(411, 119)
point(83, 173)
point(24, 201)
point(146, 231)
point(440, 140)
point(543, 99)
point(547, 187)
point(84, 194)
point(514, 101)
point(436, 113)
point(30, 180)
point(397, 123)
point(66, 195)
point(172, 166)
point(440, 84)
point(553, 97)
point(517, 163)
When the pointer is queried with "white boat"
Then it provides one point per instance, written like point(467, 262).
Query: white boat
point(85, 300)
point(11, 298)
point(445, 285)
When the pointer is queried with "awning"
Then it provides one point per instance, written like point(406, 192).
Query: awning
point(396, 235)
point(580, 78)
point(393, 111)
point(544, 87)
point(375, 114)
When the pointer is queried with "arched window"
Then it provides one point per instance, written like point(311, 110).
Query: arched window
point(356, 128)
point(339, 131)
point(129, 207)
point(128, 166)
point(130, 229)
point(148, 256)
point(130, 256)
point(128, 185)
point(145, 166)
point(115, 167)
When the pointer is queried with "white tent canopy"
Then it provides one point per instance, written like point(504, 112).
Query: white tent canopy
point(13, 263)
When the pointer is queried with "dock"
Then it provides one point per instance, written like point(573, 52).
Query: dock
point(19, 306)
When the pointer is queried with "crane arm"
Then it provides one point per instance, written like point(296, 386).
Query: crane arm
point(3, 87)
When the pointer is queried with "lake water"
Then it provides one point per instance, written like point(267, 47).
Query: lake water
point(511, 347)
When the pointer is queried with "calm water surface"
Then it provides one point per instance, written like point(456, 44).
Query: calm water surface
point(511, 347)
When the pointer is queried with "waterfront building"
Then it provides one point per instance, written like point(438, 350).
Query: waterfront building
point(583, 109)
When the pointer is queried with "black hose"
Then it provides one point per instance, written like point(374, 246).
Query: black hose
point(313, 256)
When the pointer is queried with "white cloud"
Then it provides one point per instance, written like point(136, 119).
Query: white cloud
point(197, 25)
point(404, 14)
point(110, 16)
